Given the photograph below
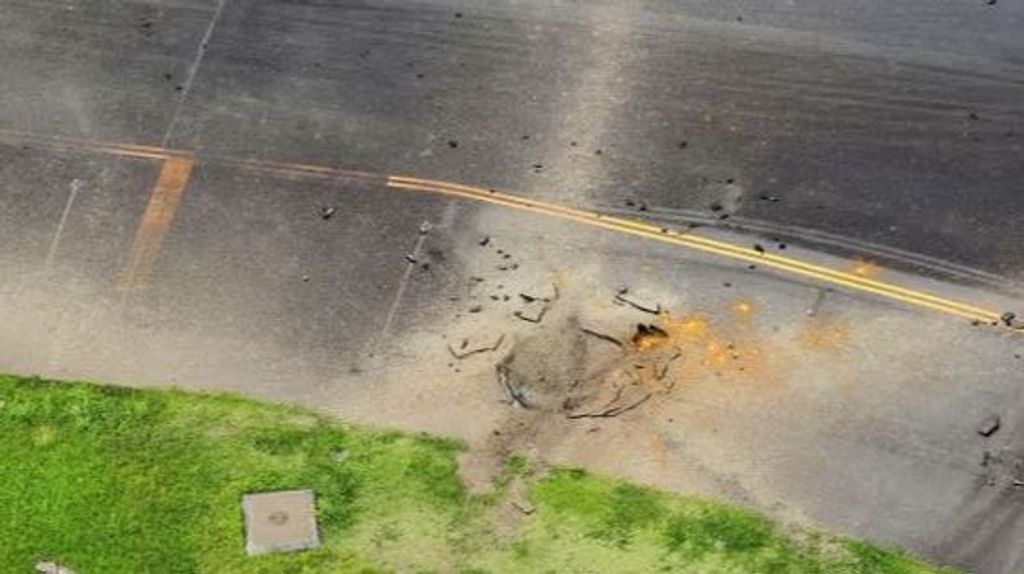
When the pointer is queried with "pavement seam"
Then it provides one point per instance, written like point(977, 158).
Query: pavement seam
point(193, 70)
point(400, 292)
point(51, 253)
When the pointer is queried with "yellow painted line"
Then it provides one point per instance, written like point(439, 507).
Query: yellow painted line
point(696, 239)
point(135, 153)
point(722, 248)
point(177, 167)
point(156, 220)
point(67, 142)
point(298, 169)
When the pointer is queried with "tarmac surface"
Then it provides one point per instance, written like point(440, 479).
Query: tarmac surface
point(209, 194)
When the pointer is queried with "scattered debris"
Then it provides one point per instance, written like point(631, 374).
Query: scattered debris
point(1010, 319)
point(638, 303)
point(613, 411)
point(48, 567)
point(661, 371)
point(453, 144)
point(684, 144)
point(305, 278)
point(524, 506)
point(327, 212)
point(411, 258)
point(484, 242)
point(759, 248)
point(517, 498)
point(989, 426)
point(646, 333)
point(533, 311)
point(466, 351)
point(602, 336)
point(476, 308)
point(547, 292)
point(512, 391)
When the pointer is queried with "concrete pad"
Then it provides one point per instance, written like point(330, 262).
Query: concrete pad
point(280, 521)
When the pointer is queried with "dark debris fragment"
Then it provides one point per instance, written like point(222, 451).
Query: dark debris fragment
point(989, 426)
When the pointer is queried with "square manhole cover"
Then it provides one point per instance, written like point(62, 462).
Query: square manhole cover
point(280, 521)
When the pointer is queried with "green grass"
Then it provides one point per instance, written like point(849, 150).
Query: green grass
point(112, 480)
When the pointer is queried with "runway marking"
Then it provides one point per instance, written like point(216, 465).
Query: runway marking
point(156, 220)
point(51, 253)
point(178, 165)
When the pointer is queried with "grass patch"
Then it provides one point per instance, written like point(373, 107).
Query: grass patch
point(113, 480)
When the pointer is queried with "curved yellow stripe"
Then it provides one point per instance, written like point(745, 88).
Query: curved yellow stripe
point(641, 229)
point(692, 240)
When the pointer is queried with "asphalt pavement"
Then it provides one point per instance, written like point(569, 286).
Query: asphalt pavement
point(889, 123)
point(202, 193)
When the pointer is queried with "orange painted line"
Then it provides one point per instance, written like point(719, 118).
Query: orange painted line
point(156, 220)
point(178, 164)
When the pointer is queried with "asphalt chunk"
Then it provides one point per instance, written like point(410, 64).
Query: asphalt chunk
point(989, 426)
